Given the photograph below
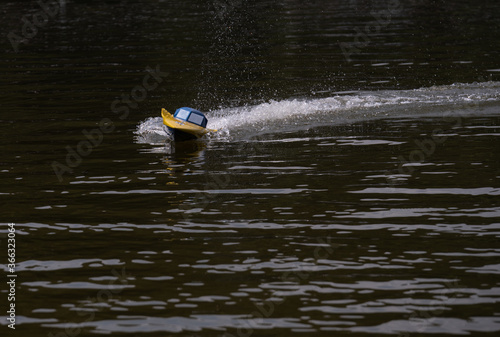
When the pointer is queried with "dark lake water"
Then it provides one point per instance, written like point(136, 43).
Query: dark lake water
point(353, 187)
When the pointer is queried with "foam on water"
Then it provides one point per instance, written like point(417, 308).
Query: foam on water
point(293, 114)
point(151, 131)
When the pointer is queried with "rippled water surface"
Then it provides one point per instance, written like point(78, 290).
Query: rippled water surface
point(352, 187)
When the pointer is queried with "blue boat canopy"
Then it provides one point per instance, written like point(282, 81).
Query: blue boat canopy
point(192, 116)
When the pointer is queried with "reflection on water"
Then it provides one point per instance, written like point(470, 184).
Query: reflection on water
point(345, 196)
point(301, 232)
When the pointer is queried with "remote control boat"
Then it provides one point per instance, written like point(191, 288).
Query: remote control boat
point(185, 124)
